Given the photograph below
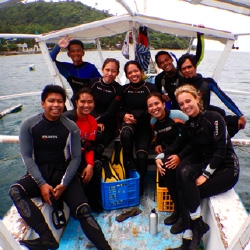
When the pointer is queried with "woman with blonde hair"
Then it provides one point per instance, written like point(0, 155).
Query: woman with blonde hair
point(212, 166)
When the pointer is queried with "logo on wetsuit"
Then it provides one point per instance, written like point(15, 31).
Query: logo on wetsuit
point(45, 137)
point(216, 128)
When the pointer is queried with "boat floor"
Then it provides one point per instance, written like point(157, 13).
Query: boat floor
point(119, 235)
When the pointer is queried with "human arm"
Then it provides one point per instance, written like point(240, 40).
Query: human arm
point(228, 102)
point(27, 149)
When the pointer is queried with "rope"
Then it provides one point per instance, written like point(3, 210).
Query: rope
point(242, 149)
point(11, 158)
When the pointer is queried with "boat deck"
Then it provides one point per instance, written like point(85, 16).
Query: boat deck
point(119, 234)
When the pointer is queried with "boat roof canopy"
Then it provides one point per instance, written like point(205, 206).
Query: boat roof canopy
point(119, 24)
point(237, 6)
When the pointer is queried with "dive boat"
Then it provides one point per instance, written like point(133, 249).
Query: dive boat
point(228, 219)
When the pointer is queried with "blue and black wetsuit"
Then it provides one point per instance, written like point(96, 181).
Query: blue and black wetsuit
point(212, 154)
point(51, 152)
point(205, 86)
point(78, 76)
point(134, 101)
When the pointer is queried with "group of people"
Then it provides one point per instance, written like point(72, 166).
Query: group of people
point(62, 151)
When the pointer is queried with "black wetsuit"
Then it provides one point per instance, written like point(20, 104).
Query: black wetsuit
point(57, 154)
point(107, 101)
point(172, 80)
point(209, 143)
point(168, 133)
point(134, 101)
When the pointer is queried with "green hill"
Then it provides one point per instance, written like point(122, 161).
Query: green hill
point(41, 17)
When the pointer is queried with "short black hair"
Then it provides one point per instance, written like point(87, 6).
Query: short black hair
point(162, 52)
point(75, 41)
point(132, 62)
point(84, 90)
point(52, 88)
point(186, 56)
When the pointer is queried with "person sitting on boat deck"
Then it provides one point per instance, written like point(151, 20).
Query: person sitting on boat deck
point(107, 100)
point(168, 128)
point(170, 77)
point(78, 73)
point(187, 66)
point(51, 151)
point(87, 124)
point(135, 128)
point(211, 168)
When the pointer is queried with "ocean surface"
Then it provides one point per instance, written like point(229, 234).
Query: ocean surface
point(15, 78)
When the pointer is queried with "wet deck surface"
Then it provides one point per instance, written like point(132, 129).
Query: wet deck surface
point(119, 234)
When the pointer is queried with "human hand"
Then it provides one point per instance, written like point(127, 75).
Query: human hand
point(129, 119)
point(101, 126)
point(242, 122)
point(165, 98)
point(160, 166)
point(200, 180)
point(87, 174)
point(64, 42)
point(46, 192)
point(59, 189)
point(158, 149)
point(172, 162)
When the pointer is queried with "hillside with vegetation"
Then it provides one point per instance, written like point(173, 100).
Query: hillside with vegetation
point(41, 17)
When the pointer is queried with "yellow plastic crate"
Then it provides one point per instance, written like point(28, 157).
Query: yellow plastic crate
point(163, 197)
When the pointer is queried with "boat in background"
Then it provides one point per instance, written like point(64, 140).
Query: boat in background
point(32, 67)
point(228, 219)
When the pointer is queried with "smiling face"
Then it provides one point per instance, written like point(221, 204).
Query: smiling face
point(133, 73)
point(156, 107)
point(188, 104)
point(110, 72)
point(53, 106)
point(165, 63)
point(188, 70)
point(85, 104)
point(76, 53)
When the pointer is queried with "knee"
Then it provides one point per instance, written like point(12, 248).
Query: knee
point(185, 172)
point(126, 132)
point(141, 155)
point(15, 192)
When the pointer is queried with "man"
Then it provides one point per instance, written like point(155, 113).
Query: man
point(187, 66)
point(170, 78)
point(79, 72)
point(51, 151)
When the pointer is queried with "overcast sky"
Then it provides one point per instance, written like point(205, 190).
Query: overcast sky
point(185, 12)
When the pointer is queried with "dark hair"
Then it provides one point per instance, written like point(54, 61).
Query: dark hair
point(156, 94)
point(160, 53)
point(132, 62)
point(78, 42)
point(186, 56)
point(52, 88)
point(84, 90)
point(108, 60)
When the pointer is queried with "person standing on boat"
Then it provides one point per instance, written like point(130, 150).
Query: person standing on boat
point(211, 168)
point(187, 64)
point(135, 128)
point(78, 73)
point(51, 151)
point(87, 124)
point(107, 101)
point(170, 77)
point(168, 129)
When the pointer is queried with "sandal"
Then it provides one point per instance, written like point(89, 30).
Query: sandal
point(128, 213)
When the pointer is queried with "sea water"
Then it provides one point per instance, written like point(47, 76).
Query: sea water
point(16, 78)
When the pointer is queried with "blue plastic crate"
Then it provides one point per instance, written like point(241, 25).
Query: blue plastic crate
point(120, 194)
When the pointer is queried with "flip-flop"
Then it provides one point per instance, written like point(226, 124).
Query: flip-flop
point(128, 213)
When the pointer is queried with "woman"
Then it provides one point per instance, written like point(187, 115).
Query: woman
point(107, 97)
point(88, 129)
point(168, 129)
point(212, 167)
point(135, 129)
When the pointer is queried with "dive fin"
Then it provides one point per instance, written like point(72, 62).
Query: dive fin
point(108, 173)
point(117, 163)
